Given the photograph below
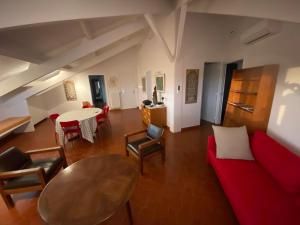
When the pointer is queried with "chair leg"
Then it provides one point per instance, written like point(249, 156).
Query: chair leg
point(142, 165)
point(71, 137)
point(64, 141)
point(98, 130)
point(163, 154)
point(126, 150)
point(7, 200)
point(55, 136)
point(129, 212)
point(108, 122)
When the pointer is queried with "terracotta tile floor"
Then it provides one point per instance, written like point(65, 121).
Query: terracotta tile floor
point(183, 191)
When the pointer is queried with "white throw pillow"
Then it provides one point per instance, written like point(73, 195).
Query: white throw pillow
point(232, 143)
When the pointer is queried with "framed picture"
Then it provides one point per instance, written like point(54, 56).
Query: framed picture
point(70, 91)
point(160, 82)
point(191, 90)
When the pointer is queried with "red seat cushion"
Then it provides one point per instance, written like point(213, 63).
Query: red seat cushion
point(283, 165)
point(256, 198)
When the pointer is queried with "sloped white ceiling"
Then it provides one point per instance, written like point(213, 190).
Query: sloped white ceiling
point(10, 66)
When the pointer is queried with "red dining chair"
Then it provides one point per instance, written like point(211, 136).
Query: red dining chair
point(70, 128)
point(106, 112)
point(86, 104)
point(100, 118)
point(53, 118)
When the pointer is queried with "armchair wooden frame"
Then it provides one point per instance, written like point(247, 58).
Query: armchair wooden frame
point(40, 172)
point(140, 155)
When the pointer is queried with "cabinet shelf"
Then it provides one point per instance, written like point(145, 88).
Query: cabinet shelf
point(244, 92)
point(250, 97)
point(242, 106)
point(246, 80)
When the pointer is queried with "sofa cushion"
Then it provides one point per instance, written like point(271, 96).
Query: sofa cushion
point(279, 162)
point(13, 159)
point(232, 143)
point(255, 197)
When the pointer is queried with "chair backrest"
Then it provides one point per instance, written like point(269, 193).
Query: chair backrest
point(74, 124)
point(53, 117)
point(13, 159)
point(154, 131)
point(86, 104)
point(106, 110)
point(100, 116)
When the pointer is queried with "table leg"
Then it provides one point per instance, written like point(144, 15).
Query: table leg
point(129, 212)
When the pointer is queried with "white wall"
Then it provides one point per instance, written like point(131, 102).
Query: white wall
point(207, 38)
point(282, 49)
point(37, 110)
point(55, 101)
point(204, 41)
point(122, 66)
point(20, 109)
point(152, 57)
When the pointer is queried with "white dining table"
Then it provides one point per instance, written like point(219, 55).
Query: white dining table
point(87, 121)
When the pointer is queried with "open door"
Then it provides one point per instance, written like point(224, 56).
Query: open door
point(211, 92)
point(98, 90)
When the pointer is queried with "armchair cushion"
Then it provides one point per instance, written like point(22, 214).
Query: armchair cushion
point(13, 159)
point(50, 165)
point(134, 145)
point(154, 131)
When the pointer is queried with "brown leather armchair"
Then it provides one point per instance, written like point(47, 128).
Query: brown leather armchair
point(152, 142)
point(19, 173)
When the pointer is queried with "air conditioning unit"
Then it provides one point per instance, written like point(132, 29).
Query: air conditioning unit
point(260, 31)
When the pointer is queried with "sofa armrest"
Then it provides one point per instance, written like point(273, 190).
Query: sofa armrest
point(211, 147)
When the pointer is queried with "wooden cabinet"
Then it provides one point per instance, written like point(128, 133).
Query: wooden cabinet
point(154, 115)
point(250, 98)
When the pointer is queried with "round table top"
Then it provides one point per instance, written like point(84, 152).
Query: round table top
point(89, 191)
point(80, 114)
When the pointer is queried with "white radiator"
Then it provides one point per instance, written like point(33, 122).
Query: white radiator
point(115, 100)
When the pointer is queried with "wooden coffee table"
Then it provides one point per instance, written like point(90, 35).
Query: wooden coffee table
point(89, 191)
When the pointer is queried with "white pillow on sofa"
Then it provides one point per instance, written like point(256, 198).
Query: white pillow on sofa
point(232, 143)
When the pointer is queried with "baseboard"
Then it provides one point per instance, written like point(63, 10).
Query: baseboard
point(38, 123)
point(190, 128)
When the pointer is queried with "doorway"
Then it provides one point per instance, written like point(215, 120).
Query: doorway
point(210, 93)
point(230, 67)
point(98, 92)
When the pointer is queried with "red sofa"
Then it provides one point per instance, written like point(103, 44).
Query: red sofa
point(265, 191)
